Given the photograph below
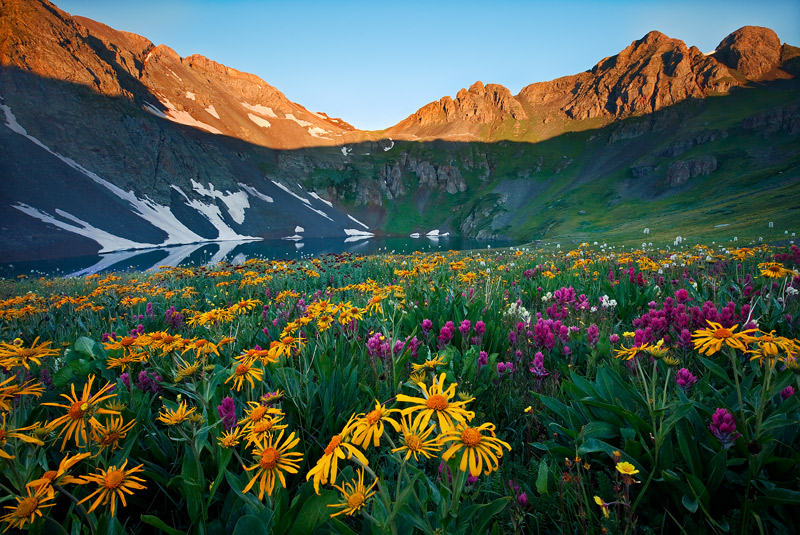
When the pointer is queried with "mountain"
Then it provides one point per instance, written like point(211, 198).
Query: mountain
point(109, 142)
point(651, 74)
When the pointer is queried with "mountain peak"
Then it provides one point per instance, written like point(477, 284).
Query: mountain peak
point(754, 51)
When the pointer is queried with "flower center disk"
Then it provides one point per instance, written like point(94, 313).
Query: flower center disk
point(436, 402)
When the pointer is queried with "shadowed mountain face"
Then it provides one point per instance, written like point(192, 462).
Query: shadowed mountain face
point(108, 142)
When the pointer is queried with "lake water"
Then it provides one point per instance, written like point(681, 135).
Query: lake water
point(211, 253)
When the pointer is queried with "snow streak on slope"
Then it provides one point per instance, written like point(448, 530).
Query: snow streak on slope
point(235, 202)
point(255, 193)
point(214, 216)
point(108, 242)
point(155, 214)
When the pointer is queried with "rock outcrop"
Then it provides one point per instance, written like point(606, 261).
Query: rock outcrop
point(651, 74)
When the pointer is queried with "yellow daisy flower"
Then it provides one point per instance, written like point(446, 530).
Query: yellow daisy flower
point(274, 459)
point(174, 417)
point(478, 448)
point(355, 495)
point(369, 428)
point(81, 412)
point(710, 341)
point(26, 510)
point(113, 483)
point(437, 401)
point(415, 440)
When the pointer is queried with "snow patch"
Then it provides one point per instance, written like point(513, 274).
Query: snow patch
point(432, 233)
point(296, 237)
point(214, 216)
point(155, 111)
point(346, 151)
point(259, 121)
point(298, 229)
point(415, 234)
point(212, 111)
point(387, 149)
point(255, 193)
point(108, 242)
point(184, 117)
point(320, 212)
point(316, 131)
point(357, 221)
point(156, 214)
point(291, 117)
point(356, 232)
point(175, 75)
point(290, 192)
point(235, 202)
point(320, 199)
point(261, 110)
point(722, 225)
point(190, 95)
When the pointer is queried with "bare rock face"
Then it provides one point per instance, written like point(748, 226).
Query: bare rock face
point(753, 51)
point(682, 170)
point(651, 74)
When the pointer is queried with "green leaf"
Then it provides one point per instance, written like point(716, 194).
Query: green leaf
point(600, 430)
point(542, 478)
point(85, 346)
point(252, 525)
point(314, 512)
point(160, 524)
point(689, 503)
point(486, 514)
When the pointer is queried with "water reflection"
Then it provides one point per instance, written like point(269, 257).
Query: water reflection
point(237, 252)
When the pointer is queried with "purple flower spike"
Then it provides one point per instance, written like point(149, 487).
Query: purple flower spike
point(723, 426)
point(685, 379)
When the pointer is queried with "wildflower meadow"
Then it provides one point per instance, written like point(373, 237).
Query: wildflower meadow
point(600, 390)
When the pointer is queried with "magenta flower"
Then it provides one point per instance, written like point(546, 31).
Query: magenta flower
point(227, 413)
point(685, 379)
point(723, 426)
point(786, 393)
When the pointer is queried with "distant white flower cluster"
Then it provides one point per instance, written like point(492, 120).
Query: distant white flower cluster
point(516, 311)
point(605, 302)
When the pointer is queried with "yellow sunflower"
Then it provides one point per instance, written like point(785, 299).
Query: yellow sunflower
point(81, 412)
point(256, 414)
point(429, 364)
point(231, 438)
point(6, 433)
point(274, 459)
point(327, 466)
point(242, 372)
point(478, 448)
point(10, 391)
point(710, 341)
point(369, 428)
point(113, 483)
point(175, 417)
point(415, 440)
point(15, 355)
point(437, 401)
point(109, 435)
point(774, 270)
point(26, 510)
point(355, 495)
point(59, 476)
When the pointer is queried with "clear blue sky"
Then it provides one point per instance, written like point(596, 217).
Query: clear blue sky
point(374, 63)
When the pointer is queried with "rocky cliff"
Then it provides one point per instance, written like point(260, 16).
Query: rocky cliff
point(651, 74)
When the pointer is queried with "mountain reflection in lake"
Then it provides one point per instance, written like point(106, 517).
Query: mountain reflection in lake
point(236, 252)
